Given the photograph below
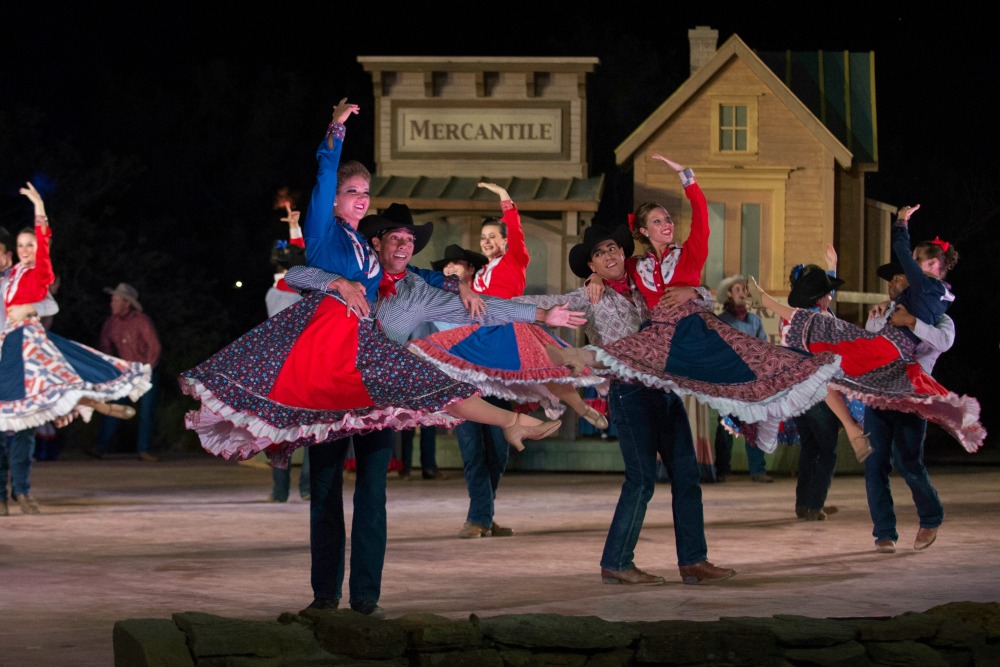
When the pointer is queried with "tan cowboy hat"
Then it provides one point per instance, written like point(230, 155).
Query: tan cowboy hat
point(127, 292)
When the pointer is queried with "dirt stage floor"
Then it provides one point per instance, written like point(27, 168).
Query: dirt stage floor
point(120, 539)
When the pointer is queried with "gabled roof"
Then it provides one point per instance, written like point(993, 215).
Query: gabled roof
point(733, 47)
point(462, 193)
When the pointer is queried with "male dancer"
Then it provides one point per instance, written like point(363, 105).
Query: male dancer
point(405, 301)
point(649, 421)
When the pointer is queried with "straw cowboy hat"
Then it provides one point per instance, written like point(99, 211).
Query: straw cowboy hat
point(127, 292)
point(726, 285)
point(395, 217)
point(579, 255)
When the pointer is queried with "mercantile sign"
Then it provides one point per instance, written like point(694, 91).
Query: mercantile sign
point(514, 131)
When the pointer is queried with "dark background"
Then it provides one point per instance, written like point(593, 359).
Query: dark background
point(159, 134)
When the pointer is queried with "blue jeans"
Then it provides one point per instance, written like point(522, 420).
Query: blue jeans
point(724, 454)
point(15, 460)
point(283, 480)
point(327, 536)
point(818, 431)
point(146, 414)
point(484, 458)
point(650, 421)
point(898, 441)
point(428, 449)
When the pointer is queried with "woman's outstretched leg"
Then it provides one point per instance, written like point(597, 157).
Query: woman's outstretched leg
point(571, 397)
point(517, 427)
point(859, 441)
point(575, 358)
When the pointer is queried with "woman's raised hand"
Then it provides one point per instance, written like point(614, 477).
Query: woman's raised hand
point(31, 193)
point(905, 212)
point(831, 257)
point(495, 189)
point(667, 161)
point(291, 217)
point(344, 110)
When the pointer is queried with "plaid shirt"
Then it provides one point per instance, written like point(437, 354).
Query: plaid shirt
point(611, 318)
point(131, 337)
point(416, 302)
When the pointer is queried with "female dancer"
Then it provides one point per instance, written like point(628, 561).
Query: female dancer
point(507, 361)
point(319, 370)
point(691, 351)
point(45, 376)
point(880, 369)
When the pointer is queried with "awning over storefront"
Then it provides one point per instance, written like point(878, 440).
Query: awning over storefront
point(462, 193)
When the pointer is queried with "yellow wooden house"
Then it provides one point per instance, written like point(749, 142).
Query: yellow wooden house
point(780, 144)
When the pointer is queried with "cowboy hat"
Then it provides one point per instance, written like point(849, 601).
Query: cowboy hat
point(889, 271)
point(812, 286)
point(397, 216)
point(726, 285)
point(456, 253)
point(579, 255)
point(127, 292)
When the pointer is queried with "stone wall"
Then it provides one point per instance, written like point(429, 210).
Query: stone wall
point(957, 633)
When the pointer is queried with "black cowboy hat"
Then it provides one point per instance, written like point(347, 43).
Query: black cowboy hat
point(889, 271)
point(579, 255)
point(811, 287)
point(455, 253)
point(395, 217)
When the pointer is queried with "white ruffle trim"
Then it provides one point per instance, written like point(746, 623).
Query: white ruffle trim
point(517, 391)
point(133, 387)
point(787, 403)
point(230, 434)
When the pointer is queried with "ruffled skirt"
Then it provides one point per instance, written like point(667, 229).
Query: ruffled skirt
point(43, 376)
point(693, 353)
point(310, 374)
point(507, 361)
point(880, 371)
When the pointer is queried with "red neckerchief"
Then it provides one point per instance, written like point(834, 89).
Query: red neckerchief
point(387, 286)
point(739, 312)
point(621, 286)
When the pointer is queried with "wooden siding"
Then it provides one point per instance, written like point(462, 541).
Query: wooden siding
point(802, 222)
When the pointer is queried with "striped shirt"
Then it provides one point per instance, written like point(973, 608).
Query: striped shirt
point(416, 302)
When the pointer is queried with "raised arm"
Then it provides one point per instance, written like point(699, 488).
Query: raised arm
point(695, 253)
point(319, 216)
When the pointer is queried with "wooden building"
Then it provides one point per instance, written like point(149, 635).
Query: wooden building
point(445, 123)
point(780, 143)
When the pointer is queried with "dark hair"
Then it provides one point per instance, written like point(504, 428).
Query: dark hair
point(27, 230)
point(642, 215)
point(285, 255)
point(800, 270)
point(496, 222)
point(6, 239)
point(353, 168)
point(948, 258)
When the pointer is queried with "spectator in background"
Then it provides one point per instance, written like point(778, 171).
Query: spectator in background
point(129, 334)
point(732, 292)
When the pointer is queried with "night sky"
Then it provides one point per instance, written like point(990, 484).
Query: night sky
point(160, 132)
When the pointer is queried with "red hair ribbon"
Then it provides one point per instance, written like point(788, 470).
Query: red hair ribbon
point(631, 222)
point(944, 245)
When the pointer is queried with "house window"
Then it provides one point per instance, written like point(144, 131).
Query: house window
point(734, 127)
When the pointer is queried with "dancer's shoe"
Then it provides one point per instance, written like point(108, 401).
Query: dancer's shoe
point(517, 432)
